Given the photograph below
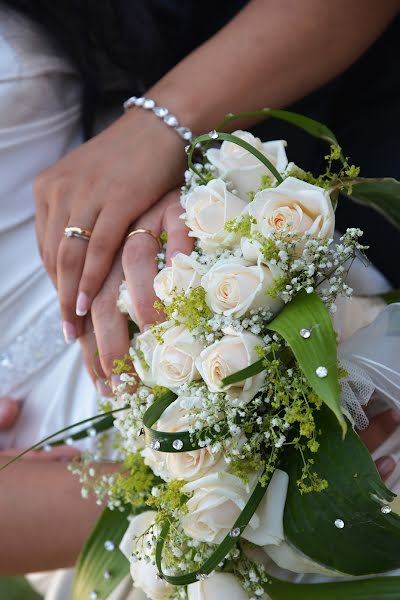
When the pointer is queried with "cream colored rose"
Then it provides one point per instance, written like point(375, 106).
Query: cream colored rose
point(294, 206)
point(220, 586)
point(173, 361)
point(144, 574)
point(184, 274)
point(244, 170)
point(208, 208)
point(124, 302)
point(233, 288)
point(142, 350)
point(181, 465)
point(232, 353)
point(218, 500)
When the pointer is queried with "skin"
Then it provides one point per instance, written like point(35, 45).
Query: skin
point(271, 67)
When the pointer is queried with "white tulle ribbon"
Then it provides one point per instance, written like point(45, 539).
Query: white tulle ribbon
point(371, 358)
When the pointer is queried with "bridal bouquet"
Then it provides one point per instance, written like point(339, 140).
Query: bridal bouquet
point(235, 414)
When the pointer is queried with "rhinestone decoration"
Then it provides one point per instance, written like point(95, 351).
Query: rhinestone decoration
point(201, 576)
point(47, 448)
point(109, 545)
point(184, 132)
point(107, 574)
point(177, 444)
point(129, 102)
point(149, 104)
point(187, 148)
point(171, 121)
point(213, 134)
point(155, 445)
point(93, 595)
point(321, 372)
point(160, 111)
point(339, 523)
point(91, 432)
point(305, 333)
point(140, 101)
point(69, 441)
point(235, 532)
point(386, 510)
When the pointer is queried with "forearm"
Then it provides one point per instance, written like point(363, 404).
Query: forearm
point(43, 519)
point(271, 54)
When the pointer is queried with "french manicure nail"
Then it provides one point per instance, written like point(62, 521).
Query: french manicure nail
point(174, 253)
point(69, 332)
point(386, 465)
point(102, 388)
point(82, 304)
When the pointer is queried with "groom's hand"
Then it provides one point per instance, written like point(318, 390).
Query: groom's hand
point(379, 429)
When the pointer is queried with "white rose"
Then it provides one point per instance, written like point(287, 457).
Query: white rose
point(295, 205)
point(184, 274)
point(181, 465)
point(124, 302)
point(220, 586)
point(233, 288)
point(219, 499)
point(232, 353)
point(243, 169)
point(208, 208)
point(144, 573)
point(173, 361)
point(142, 350)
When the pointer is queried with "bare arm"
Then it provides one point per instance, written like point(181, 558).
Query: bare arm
point(43, 519)
point(272, 53)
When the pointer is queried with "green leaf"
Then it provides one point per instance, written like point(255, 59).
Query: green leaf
point(307, 311)
point(17, 588)
point(94, 559)
point(310, 126)
point(378, 588)
point(390, 297)
point(383, 195)
point(249, 371)
point(369, 543)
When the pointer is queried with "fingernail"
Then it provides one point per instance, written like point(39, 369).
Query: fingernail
point(386, 465)
point(82, 304)
point(69, 332)
point(146, 327)
point(175, 252)
point(115, 381)
point(102, 388)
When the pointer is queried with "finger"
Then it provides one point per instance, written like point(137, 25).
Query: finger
point(9, 411)
point(380, 427)
point(385, 465)
point(177, 232)
point(140, 269)
point(57, 220)
point(71, 257)
point(106, 239)
point(110, 325)
point(40, 226)
point(56, 453)
point(90, 355)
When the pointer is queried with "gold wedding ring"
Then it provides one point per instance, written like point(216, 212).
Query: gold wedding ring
point(137, 231)
point(78, 232)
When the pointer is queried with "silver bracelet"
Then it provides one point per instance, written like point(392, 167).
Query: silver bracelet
point(161, 112)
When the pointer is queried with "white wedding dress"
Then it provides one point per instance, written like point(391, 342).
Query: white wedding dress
point(39, 123)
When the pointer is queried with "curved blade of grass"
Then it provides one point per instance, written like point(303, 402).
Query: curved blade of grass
point(45, 440)
point(249, 371)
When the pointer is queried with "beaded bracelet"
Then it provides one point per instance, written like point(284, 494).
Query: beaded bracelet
point(161, 112)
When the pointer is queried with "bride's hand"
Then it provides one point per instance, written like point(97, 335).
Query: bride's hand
point(9, 412)
point(104, 186)
point(106, 333)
